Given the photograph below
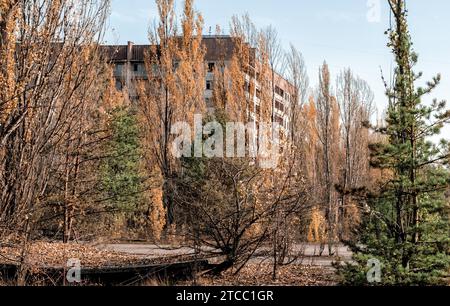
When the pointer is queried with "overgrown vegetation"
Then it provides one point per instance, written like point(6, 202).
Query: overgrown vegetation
point(83, 161)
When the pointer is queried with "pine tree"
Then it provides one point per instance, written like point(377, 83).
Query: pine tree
point(121, 178)
point(406, 224)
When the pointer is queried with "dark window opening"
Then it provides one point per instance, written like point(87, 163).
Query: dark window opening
point(247, 86)
point(211, 67)
point(279, 105)
point(279, 91)
point(279, 120)
point(258, 93)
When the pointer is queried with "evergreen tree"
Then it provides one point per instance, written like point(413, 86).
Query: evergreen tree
point(406, 226)
point(122, 181)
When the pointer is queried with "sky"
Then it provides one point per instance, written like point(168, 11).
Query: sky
point(344, 33)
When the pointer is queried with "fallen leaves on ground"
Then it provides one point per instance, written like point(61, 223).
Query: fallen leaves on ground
point(54, 254)
point(261, 274)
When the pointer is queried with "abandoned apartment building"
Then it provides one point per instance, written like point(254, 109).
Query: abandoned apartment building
point(128, 66)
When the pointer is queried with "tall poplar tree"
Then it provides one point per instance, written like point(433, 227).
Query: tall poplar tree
point(173, 92)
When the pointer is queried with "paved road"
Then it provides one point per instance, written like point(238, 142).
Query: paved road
point(310, 252)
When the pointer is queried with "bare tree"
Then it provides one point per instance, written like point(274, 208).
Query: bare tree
point(242, 70)
point(231, 205)
point(355, 103)
point(328, 135)
point(50, 48)
point(244, 28)
point(274, 52)
point(297, 75)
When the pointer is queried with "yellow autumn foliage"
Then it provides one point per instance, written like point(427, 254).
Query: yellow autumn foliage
point(316, 230)
point(157, 213)
point(8, 26)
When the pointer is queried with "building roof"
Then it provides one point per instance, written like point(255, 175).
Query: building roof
point(217, 48)
point(117, 53)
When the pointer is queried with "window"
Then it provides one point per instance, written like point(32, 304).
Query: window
point(136, 67)
point(287, 97)
point(211, 67)
point(279, 105)
point(258, 93)
point(209, 85)
point(118, 69)
point(279, 91)
point(279, 120)
point(247, 86)
point(118, 85)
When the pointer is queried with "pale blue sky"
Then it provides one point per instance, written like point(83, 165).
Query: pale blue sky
point(336, 31)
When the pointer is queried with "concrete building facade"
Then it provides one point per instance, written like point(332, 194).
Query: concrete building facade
point(129, 67)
